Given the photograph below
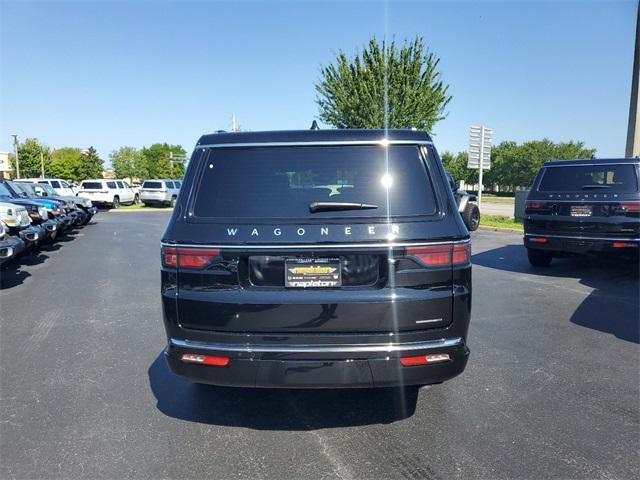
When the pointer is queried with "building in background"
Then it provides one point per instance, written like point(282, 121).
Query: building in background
point(5, 165)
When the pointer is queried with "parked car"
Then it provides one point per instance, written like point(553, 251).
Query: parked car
point(46, 228)
point(54, 208)
point(17, 222)
point(10, 246)
point(469, 211)
point(79, 209)
point(111, 193)
point(583, 207)
point(61, 187)
point(58, 208)
point(160, 192)
point(316, 259)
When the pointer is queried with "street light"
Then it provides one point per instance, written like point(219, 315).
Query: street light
point(15, 147)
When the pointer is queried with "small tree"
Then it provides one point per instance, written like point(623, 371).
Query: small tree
point(128, 162)
point(158, 160)
point(91, 165)
point(384, 86)
point(29, 157)
point(65, 163)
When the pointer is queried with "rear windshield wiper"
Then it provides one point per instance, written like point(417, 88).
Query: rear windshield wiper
point(593, 187)
point(331, 206)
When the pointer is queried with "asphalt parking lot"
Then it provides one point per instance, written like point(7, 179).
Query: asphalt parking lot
point(550, 391)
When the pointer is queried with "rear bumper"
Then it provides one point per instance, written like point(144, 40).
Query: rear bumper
point(318, 365)
point(154, 201)
point(582, 245)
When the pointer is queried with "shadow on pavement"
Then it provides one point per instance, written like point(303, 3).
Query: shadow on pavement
point(276, 409)
point(612, 307)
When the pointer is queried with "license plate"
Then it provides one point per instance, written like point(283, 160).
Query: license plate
point(581, 210)
point(312, 273)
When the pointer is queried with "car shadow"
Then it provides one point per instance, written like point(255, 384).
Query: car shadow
point(11, 275)
point(277, 409)
point(613, 305)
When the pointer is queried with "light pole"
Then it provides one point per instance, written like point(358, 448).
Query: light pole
point(15, 147)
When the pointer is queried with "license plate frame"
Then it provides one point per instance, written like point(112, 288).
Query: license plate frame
point(581, 211)
point(312, 272)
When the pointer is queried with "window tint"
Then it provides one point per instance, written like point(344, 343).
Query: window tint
point(276, 182)
point(55, 184)
point(603, 177)
point(152, 185)
point(64, 184)
point(111, 184)
point(169, 184)
point(91, 185)
point(178, 184)
point(120, 184)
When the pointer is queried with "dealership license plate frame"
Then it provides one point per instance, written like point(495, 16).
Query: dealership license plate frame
point(312, 272)
point(581, 211)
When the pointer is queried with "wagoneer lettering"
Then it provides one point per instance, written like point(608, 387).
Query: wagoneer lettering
point(316, 259)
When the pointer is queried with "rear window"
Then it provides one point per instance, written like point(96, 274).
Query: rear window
point(152, 185)
point(605, 178)
point(282, 182)
point(92, 185)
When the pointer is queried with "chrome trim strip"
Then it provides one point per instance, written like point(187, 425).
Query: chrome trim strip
point(320, 348)
point(285, 246)
point(382, 142)
point(571, 164)
point(587, 200)
point(609, 239)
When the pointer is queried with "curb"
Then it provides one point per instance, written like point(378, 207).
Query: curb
point(130, 210)
point(500, 229)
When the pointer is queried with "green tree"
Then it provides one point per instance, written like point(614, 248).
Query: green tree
point(128, 162)
point(456, 165)
point(65, 163)
point(402, 81)
point(29, 156)
point(163, 160)
point(91, 165)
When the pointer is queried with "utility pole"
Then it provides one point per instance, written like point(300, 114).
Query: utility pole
point(633, 130)
point(15, 147)
point(41, 163)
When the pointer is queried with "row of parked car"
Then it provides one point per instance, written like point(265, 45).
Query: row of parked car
point(32, 213)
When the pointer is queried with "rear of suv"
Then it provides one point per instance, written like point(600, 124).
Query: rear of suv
point(316, 259)
point(583, 207)
point(160, 192)
point(112, 193)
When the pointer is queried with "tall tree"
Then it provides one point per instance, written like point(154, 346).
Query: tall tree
point(164, 161)
point(384, 86)
point(91, 165)
point(29, 157)
point(128, 162)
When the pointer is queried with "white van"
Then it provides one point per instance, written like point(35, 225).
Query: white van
point(160, 192)
point(62, 187)
point(108, 192)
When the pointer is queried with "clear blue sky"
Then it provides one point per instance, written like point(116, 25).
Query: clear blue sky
point(121, 73)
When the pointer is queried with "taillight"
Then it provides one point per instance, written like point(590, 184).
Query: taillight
point(424, 359)
point(213, 360)
point(181, 257)
point(442, 255)
point(535, 205)
point(630, 207)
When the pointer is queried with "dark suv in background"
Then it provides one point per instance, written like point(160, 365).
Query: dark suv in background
point(583, 207)
point(316, 259)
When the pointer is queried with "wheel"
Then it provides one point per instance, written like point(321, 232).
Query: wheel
point(136, 199)
point(116, 202)
point(173, 202)
point(471, 217)
point(539, 258)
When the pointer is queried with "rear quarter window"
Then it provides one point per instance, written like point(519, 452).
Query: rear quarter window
point(620, 178)
point(169, 184)
point(111, 185)
point(91, 185)
point(282, 182)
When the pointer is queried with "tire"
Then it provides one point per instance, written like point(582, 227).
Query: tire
point(172, 203)
point(136, 199)
point(471, 217)
point(116, 202)
point(539, 258)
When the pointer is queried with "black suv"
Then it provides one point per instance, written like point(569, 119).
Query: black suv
point(316, 259)
point(583, 207)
